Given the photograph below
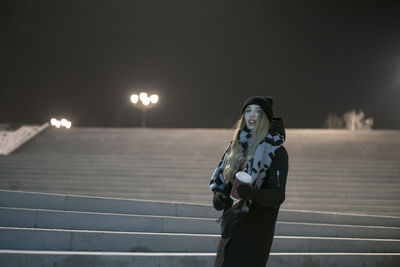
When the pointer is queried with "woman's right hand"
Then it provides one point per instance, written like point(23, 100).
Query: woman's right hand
point(219, 200)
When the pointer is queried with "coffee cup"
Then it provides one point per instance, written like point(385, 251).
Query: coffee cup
point(241, 178)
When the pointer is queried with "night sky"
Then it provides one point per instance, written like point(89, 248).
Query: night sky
point(83, 59)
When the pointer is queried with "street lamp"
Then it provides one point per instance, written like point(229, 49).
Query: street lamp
point(60, 123)
point(143, 101)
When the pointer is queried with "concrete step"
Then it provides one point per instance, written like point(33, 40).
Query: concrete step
point(168, 193)
point(341, 207)
point(101, 170)
point(97, 204)
point(28, 258)
point(74, 240)
point(353, 212)
point(318, 181)
point(349, 173)
point(340, 192)
point(326, 217)
point(326, 170)
point(130, 187)
point(390, 203)
point(199, 178)
point(161, 197)
point(340, 165)
point(209, 154)
point(126, 184)
point(336, 230)
point(198, 181)
point(52, 219)
point(97, 187)
point(31, 200)
point(343, 188)
point(206, 200)
point(203, 195)
point(312, 203)
point(85, 240)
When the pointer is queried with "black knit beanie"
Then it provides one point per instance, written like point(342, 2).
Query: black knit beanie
point(265, 102)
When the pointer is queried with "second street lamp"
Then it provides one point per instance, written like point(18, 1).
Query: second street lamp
point(143, 101)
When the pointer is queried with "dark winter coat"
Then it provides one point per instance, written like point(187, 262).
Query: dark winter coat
point(246, 240)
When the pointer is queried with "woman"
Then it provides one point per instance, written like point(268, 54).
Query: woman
point(248, 225)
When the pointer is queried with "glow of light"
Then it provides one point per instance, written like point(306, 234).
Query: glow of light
point(134, 99)
point(154, 99)
point(58, 124)
point(68, 125)
point(64, 122)
point(53, 121)
point(146, 101)
point(143, 96)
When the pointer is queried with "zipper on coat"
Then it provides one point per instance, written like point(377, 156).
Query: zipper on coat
point(277, 175)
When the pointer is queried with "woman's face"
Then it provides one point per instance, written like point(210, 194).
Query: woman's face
point(251, 114)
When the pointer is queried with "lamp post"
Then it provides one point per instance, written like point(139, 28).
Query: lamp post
point(143, 101)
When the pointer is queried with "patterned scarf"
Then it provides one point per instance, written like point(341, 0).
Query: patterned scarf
point(245, 139)
point(258, 166)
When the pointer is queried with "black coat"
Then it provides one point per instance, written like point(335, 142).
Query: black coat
point(247, 242)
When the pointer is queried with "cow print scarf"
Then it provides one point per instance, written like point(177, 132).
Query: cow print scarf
point(256, 167)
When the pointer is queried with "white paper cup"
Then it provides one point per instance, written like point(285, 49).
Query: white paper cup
point(241, 178)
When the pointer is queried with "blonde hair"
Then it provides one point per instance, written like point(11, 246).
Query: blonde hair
point(236, 160)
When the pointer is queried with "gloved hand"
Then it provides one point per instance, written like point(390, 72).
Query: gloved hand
point(219, 200)
point(246, 191)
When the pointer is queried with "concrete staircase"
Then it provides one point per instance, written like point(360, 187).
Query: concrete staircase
point(330, 170)
point(63, 230)
point(149, 201)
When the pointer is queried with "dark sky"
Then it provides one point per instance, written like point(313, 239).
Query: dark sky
point(83, 59)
